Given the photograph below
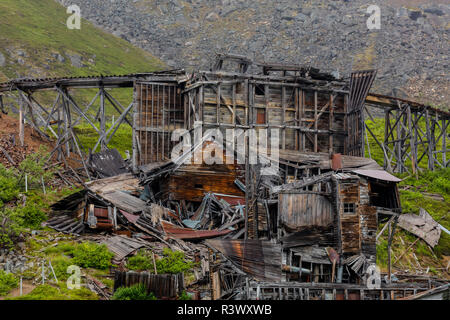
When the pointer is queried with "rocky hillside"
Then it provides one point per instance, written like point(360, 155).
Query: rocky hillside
point(35, 42)
point(410, 50)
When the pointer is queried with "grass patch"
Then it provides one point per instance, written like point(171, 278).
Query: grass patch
point(7, 282)
point(39, 28)
point(136, 292)
point(48, 292)
point(122, 139)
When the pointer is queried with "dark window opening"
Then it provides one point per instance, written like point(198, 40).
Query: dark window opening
point(383, 195)
point(239, 88)
point(259, 90)
point(198, 186)
point(349, 208)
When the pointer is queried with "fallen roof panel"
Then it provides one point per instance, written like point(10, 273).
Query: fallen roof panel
point(122, 246)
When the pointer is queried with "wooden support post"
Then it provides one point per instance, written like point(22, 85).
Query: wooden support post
point(102, 115)
point(21, 124)
point(389, 254)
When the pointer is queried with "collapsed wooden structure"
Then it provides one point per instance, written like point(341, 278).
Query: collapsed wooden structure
point(306, 231)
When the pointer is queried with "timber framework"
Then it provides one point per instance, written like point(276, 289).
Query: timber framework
point(307, 232)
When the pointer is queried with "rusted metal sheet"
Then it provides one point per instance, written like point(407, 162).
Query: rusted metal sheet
point(130, 217)
point(173, 231)
point(230, 199)
point(336, 161)
point(261, 259)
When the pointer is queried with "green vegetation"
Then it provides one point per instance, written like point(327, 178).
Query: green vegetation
point(7, 282)
point(171, 262)
point(184, 296)
point(60, 265)
point(15, 215)
point(63, 248)
point(122, 139)
point(92, 255)
point(415, 193)
point(136, 292)
point(48, 292)
point(39, 28)
point(141, 261)
point(415, 197)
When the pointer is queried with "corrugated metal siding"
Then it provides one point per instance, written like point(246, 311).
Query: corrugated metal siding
point(261, 259)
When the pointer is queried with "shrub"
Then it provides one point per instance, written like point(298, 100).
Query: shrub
point(34, 166)
point(92, 255)
point(10, 229)
point(9, 189)
point(135, 292)
point(173, 262)
point(32, 214)
point(140, 262)
point(7, 282)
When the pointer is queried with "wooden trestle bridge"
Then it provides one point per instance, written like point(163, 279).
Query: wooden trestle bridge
point(415, 135)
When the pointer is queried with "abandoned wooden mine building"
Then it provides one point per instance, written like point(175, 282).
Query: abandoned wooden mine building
point(306, 230)
point(326, 200)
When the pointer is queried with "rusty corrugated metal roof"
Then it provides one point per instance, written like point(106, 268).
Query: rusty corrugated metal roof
point(261, 259)
point(173, 231)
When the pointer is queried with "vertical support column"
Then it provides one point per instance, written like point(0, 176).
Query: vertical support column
point(316, 123)
point(21, 123)
point(444, 141)
point(2, 108)
point(399, 143)
point(429, 140)
point(64, 119)
point(134, 136)
point(283, 115)
point(411, 129)
point(330, 125)
point(102, 120)
point(386, 138)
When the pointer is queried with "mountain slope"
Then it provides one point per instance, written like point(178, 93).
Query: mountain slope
point(410, 50)
point(35, 42)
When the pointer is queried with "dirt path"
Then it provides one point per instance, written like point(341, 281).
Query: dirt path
point(27, 287)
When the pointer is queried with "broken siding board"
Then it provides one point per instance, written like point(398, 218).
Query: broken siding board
point(300, 210)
